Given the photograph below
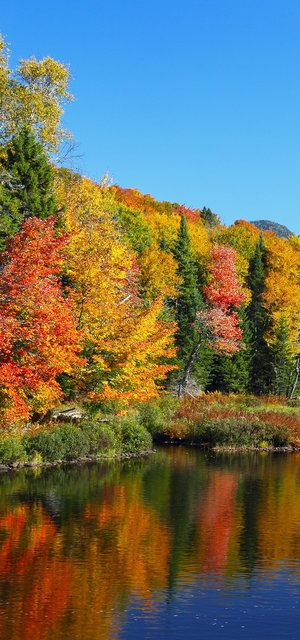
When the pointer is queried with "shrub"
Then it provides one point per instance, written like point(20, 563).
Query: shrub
point(293, 402)
point(180, 428)
point(240, 433)
point(101, 437)
point(278, 436)
point(250, 401)
point(61, 443)
point(75, 442)
point(152, 418)
point(233, 433)
point(11, 450)
point(156, 416)
point(36, 459)
point(134, 437)
point(49, 444)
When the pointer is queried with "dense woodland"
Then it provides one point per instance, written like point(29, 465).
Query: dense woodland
point(109, 297)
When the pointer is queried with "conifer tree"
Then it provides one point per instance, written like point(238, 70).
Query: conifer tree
point(209, 218)
point(261, 358)
point(26, 184)
point(10, 217)
point(282, 360)
point(230, 374)
point(187, 303)
point(163, 245)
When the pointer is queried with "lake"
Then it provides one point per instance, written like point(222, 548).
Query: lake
point(185, 544)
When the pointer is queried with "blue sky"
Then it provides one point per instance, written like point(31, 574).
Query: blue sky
point(196, 102)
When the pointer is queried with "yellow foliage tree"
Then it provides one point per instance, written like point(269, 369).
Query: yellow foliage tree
point(126, 343)
point(241, 236)
point(158, 273)
point(282, 296)
point(33, 95)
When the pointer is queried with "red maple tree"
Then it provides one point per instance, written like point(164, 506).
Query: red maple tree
point(224, 294)
point(38, 334)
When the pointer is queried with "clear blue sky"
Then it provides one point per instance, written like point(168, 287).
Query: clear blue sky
point(194, 101)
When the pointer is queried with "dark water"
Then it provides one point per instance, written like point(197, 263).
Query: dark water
point(183, 545)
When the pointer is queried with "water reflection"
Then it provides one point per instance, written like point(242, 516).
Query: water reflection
point(182, 543)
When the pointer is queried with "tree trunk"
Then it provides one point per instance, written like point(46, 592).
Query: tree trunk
point(187, 370)
point(297, 372)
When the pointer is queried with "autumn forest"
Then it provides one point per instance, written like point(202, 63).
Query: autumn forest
point(110, 299)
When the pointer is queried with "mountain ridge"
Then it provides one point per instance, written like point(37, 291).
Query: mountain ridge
point(268, 225)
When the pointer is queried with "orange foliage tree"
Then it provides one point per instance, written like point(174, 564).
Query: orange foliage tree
point(39, 339)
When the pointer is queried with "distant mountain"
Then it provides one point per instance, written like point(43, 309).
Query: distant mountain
point(267, 225)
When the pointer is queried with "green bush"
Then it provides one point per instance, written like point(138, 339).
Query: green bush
point(155, 416)
point(101, 437)
point(239, 433)
point(152, 418)
point(278, 436)
point(11, 450)
point(251, 401)
point(49, 444)
point(133, 435)
point(67, 442)
point(75, 441)
point(293, 402)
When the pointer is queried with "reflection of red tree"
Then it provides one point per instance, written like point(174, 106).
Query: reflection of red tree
point(125, 556)
point(141, 542)
point(39, 582)
point(124, 552)
point(216, 521)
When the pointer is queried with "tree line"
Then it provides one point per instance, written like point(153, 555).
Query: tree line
point(109, 296)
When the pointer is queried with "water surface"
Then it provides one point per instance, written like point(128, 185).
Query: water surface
point(182, 545)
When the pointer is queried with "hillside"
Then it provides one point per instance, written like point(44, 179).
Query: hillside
point(267, 225)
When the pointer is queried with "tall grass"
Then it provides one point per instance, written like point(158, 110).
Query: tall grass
point(230, 420)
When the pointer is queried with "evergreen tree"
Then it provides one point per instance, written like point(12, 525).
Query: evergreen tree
point(163, 245)
point(10, 217)
point(261, 358)
point(209, 218)
point(26, 183)
point(282, 360)
point(230, 374)
point(188, 338)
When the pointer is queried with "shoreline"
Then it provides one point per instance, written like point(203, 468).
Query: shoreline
point(14, 466)
point(118, 457)
point(226, 448)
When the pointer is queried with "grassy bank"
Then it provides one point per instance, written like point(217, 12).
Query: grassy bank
point(118, 437)
point(228, 421)
point(212, 420)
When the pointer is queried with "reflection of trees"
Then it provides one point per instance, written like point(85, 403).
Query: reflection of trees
point(127, 556)
point(278, 521)
point(216, 523)
point(81, 573)
point(37, 584)
point(78, 545)
point(250, 500)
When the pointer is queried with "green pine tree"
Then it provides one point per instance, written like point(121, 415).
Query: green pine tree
point(259, 322)
point(283, 361)
point(230, 374)
point(209, 218)
point(26, 180)
point(163, 245)
point(189, 338)
point(10, 217)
